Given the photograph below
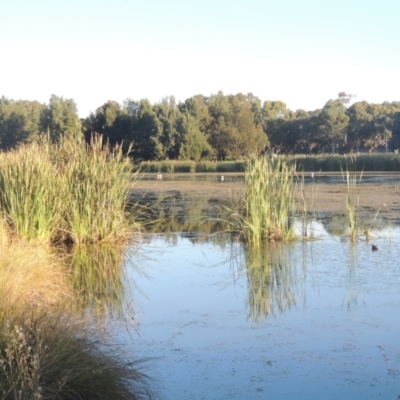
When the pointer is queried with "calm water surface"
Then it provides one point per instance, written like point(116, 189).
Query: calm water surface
point(310, 320)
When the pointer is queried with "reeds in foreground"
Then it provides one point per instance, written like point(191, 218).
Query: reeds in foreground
point(67, 191)
point(31, 196)
point(269, 200)
point(55, 357)
point(99, 179)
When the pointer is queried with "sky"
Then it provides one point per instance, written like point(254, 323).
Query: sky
point(301, 52)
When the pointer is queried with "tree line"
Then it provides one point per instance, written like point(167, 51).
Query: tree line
point(217, 127)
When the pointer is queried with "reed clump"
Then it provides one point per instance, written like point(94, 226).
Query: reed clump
point(100, 181)
point(31, 196)
point(269, 203)
point(67, 191)
point(352, 179)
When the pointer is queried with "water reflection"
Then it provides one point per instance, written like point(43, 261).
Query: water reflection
point(175, 213)
point(271, 280)
point(98, 277)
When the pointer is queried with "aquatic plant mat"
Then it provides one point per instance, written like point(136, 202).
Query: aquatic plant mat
point(376, 188)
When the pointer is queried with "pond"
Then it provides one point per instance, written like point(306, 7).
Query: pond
point(310, 319)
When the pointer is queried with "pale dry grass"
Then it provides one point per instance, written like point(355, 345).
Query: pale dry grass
point(31, 275)
point(53, 356)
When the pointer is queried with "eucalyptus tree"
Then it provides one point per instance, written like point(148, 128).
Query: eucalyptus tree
point(248, 136)
point(395, 138)
point(275, 117)
point(360, 116)
point(197, 107)
point(382, 125)
point(371, 125)
point(333, 123)
point(168, 114)
point(20, 121)
point(234, 129)
point(146, 133)
point(272, 110)
point(110, 120)
point(300, 134)
point(346, 98)
point(193, 142)
point(219, 128)
point(61, 118)
point(306, 135)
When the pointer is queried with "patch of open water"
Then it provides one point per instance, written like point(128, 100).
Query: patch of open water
point(312, 319)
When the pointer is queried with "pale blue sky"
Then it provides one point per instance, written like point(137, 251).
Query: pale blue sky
point(302, 52)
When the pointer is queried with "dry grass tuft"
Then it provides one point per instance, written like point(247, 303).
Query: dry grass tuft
point(31, 275)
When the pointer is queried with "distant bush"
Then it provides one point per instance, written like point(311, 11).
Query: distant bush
point(363, 162)
point(169, 166)
point(325, 163)
point(174, 166)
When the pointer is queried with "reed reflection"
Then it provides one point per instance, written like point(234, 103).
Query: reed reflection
point(98, 278)
point(271, 280)
point(354, 296)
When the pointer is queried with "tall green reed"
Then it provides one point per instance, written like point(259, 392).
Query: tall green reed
point(68, 191)
point(269, 201)
point(100, 181)
point(31, 197)
point(352, 179)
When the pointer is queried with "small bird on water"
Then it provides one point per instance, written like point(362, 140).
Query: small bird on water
point(374, 247)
